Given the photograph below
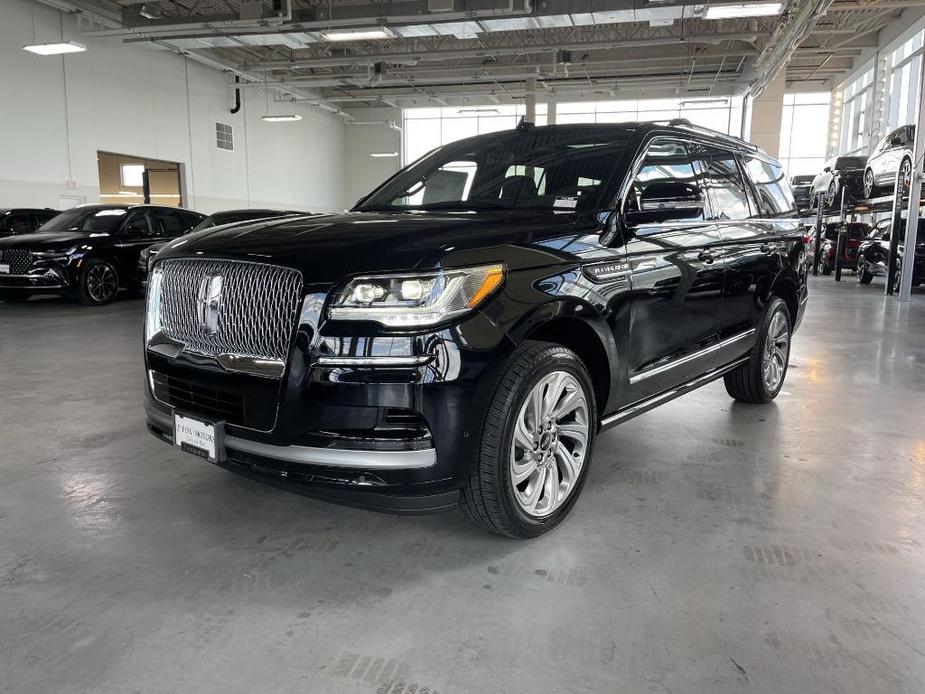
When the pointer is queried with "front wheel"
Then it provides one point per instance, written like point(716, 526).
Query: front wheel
point(831, 194)
point(760, 379)
point(535, 444)
point(99, 283)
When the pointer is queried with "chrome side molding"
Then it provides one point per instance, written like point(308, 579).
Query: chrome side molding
point(691, 357)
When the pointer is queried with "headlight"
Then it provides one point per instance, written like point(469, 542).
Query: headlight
point(55, 255)
point(411, 300)
point(153, 305)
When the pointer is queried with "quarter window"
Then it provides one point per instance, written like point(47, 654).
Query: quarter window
point(724, 181)
point(774, 196)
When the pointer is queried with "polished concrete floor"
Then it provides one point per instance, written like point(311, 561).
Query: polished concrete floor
point(718, 547)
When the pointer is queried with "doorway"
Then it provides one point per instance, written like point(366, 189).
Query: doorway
point(135, 180)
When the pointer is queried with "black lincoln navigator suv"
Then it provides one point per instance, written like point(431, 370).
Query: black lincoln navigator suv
point(463, 334)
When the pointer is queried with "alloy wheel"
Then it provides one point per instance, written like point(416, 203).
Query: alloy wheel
point(777, 348)
point(906, 173)
point(102, 283)
point(868, 184)
point(550, 444)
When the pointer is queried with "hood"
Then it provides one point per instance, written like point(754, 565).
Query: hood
point(51, 240)
point(328, 248)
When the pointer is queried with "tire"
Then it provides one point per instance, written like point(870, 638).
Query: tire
point(825, 268)
point(905, 168)
point(869, 187)
point(508, 443)
point(831, 194)
point(99, 283)
point(748, 382)
point(863, 275)
point(14, 297)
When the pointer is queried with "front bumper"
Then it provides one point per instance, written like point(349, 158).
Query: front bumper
point(340, 424)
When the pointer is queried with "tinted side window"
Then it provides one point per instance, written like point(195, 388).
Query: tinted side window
point(173, 222)
point(724, 181)
point(665, 167)
point(18, 223)
point(138, 224)
point(774, 196)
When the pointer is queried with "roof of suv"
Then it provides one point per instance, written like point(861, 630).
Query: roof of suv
point(677, 126)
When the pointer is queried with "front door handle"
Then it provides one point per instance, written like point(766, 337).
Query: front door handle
point(706, 256)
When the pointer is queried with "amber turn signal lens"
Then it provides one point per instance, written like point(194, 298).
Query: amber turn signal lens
point(491, 282)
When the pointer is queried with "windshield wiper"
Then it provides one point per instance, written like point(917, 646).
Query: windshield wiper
point(465, 205)
point(383, 207)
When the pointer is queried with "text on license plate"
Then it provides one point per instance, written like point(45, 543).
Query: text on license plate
point(196, 437)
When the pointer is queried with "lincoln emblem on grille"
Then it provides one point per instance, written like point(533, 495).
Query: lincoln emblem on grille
point(209, 302)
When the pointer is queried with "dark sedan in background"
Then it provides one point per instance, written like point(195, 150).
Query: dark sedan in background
point(215, 219)
point(90, 251)
point(874, 252)
point(23, 220)
point(802, 187)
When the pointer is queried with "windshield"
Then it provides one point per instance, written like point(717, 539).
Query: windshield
point(544, 169)
point(92, 220)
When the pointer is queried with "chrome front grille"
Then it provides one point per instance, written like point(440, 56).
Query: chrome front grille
point(19, 260)
point(253, 317)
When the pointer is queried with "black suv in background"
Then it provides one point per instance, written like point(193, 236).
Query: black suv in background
point(463, 334)
point(90, 251)
point(213, 220)
point(23, 220)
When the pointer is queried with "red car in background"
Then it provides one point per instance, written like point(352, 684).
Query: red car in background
point(857, 232)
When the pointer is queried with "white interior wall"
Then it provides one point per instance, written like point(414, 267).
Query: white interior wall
point(132, 100)
point(363, 172)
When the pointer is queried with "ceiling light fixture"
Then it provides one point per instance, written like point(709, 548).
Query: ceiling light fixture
point(55, 48)
point(742, 9)
point(383, 155)
point(371, 34)
point(282, 118)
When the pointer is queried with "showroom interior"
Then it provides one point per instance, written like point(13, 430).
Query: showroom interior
point(718, 546)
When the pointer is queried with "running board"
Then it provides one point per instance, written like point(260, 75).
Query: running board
point(644, 406)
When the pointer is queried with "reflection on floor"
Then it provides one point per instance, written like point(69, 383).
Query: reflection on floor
point(717, 548)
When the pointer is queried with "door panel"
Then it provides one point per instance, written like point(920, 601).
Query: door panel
point(677, 280)
point(676, 273)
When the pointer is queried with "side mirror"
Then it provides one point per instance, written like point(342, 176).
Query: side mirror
point(665, 201)
point(896, 141)
point(827, 169)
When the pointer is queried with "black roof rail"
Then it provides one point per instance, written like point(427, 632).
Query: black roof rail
point(685, 123)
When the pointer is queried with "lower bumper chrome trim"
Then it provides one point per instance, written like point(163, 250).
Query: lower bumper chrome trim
point(382, 362)
point(359, 459)
point(337, 457)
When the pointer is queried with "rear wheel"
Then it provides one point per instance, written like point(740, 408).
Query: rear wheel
point(905, 173)
point(863, 275)
point(826, 268)
point(14, 297)
point(760, 379)
point(535, 444)
point(831, 193)
point(869, 187)
point(99, 283)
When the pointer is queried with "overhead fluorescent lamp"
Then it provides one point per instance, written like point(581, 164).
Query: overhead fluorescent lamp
point(383, 155)
point(743, 9)
point(281, 119)
point(55, 48)
point(372, 34)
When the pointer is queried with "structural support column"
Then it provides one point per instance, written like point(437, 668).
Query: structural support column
point(912, 216)
point(530, 99)
point(767, 109)
point(551, 101)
